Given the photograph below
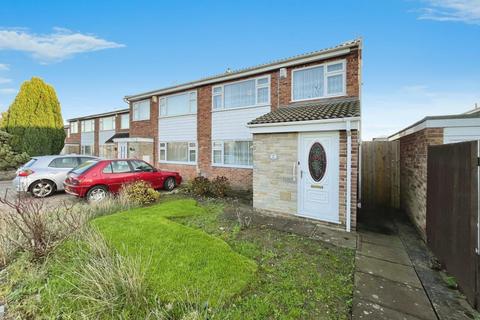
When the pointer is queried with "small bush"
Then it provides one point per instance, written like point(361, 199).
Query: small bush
point(200, 186)
point(28, 225)
point(140, 192)
point(219, 186)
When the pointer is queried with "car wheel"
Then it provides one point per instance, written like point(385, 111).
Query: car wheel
point(42, 188)
point(97, 193)
point(169, 184)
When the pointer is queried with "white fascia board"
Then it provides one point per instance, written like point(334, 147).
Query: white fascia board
point(437, 123)
point(194, 84)
point(133, 140)
point(305, 126)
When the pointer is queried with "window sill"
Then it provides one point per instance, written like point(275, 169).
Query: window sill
point(140, 120)
point(240, 108)
point(178, 162)
point(178, 115)
point(319, 98)
point(231, 166)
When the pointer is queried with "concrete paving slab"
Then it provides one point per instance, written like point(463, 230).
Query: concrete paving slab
point(393, 295)
point(368, 310)
point(392, 254)
point(381, 239)
point(388, 270)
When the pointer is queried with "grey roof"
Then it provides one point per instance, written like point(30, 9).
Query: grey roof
point(472, 115)
point(318, 110)
point(98, 115)
point(344, 45)
point(117, 136)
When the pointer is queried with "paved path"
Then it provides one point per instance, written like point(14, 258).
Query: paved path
point(386, 284)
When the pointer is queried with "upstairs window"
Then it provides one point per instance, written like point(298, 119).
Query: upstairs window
point(74, 127)
point(247, 93)
point(179, 104)
point(327, 80)
point(107, 123)
point(141, 110)
point(125, 121)
point(88, 125)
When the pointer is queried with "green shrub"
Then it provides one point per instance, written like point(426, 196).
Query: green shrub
point(9, 159)
point(200, 186)
point(219, 186)
point(140, 192)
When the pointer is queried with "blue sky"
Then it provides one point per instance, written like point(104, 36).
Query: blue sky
point(421, 57)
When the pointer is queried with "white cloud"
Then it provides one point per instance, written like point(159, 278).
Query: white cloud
point(385, 114)
point(8, 91)
point(467, 11)
point(4, 66)
point(5, 80)
point(56, 46)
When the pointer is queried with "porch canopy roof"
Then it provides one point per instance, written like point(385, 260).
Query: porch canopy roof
point(319, 110)
point(118, 135)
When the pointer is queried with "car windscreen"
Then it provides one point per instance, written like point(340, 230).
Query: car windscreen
point(84, 167)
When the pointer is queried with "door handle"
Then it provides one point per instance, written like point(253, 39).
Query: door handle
point(294, 172)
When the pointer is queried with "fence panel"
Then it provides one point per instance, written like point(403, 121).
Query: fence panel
point(452, 200)
point(380, 174)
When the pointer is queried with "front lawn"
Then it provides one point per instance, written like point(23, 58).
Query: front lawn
point(179, 259)
point(196, 261)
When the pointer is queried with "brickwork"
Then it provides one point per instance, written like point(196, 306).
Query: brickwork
point(343, 178)
point(413, 173)
point(118, 123)
point(96, 146)
point(147, 128)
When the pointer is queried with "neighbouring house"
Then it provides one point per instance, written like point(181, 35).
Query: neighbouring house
point(414, 142)
point(96, 134)
point(287, 129)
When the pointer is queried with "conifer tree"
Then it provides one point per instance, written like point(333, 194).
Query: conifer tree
point(34, 120)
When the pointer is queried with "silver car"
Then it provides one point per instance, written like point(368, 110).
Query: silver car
point(44, 175)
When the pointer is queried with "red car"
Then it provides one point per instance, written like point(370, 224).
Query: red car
point(96, 178)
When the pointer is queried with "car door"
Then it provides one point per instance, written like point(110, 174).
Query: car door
point(117, 173)
point(58, 169)
point(147, 173)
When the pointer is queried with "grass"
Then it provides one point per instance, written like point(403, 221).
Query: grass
point(178, 258)
point(185, 253)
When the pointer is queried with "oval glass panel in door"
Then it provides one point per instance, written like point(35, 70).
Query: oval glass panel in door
point(317, 161)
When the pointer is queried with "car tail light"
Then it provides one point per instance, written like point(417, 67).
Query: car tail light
point(25, 173)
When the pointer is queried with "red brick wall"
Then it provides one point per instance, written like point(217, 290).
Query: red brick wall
point(147, 128)
point(75, 137)
point(413, 173)
point(118, 123)
point(343, 178)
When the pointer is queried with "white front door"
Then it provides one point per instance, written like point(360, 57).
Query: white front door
point(123, 150)
point(318, 183)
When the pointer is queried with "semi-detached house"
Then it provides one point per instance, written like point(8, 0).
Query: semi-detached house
point(287, 130)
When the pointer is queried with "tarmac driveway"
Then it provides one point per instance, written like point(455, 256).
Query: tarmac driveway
point(53, 201)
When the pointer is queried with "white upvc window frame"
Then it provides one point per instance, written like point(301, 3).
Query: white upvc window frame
point(73, 124)
point(163, 104)
point(326, 75)
point(102, 123)
point(257, 86)
point(135, 111)
point(219, 145)
point(82, 149)
point(123, 115)
point(82, 124)
point(192, 146)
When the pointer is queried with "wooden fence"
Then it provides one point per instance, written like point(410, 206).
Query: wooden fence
point(452, 212)
point(380, 180)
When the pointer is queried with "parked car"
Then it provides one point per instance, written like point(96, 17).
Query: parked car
point(44, 175)
point(96, 178)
